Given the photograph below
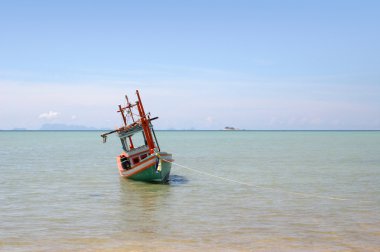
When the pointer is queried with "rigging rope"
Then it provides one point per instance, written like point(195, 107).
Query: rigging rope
point(310, 195)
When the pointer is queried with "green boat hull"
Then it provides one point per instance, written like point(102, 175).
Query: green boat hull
point(151, 169)
point(152, 175)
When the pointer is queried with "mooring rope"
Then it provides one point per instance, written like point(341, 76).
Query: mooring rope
point(309, 195)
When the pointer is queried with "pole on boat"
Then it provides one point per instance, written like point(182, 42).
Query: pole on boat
point(145, 124)
point(121, 110)
point(129, 105)
point(131, 143)
point(104, 136)
point(155, 138)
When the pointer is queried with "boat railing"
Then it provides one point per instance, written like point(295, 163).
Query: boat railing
point(138, 150)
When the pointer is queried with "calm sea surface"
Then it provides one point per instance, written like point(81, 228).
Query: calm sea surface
point(303, 191)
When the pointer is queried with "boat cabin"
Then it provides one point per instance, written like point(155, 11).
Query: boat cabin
point(138, 149)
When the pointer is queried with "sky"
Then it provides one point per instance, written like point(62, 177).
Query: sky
point(258, 65)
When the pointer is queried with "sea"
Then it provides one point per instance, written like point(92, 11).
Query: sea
point(228, 191)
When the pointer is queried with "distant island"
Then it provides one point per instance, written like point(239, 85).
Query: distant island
point(19, 129)
point(61, 126)
point(68, 127)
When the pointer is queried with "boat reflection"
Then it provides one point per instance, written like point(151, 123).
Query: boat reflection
point(177, 180)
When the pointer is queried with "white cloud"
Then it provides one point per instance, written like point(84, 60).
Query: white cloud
point(251, 104)
point(49, 115)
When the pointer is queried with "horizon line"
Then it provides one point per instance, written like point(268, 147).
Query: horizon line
point(18, 130)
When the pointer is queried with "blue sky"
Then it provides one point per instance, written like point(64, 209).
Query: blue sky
point(198, 64)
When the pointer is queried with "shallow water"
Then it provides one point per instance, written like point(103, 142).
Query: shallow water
point(307, 191)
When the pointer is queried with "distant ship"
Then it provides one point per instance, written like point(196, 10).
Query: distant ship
point(230, 128)
point(145, 161)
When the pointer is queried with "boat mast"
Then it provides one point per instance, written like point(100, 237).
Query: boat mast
point(145, 122)
point(129, 105)
point(121, 110)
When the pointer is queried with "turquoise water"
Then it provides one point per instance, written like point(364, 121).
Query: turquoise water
point(307, 191)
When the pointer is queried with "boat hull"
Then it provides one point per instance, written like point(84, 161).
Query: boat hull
point(151, 169)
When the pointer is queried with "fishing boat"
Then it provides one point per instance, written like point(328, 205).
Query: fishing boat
point(142, 158)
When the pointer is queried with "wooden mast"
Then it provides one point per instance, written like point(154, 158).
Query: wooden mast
point(121, 110)
point(129, 106)
point(145, 124)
